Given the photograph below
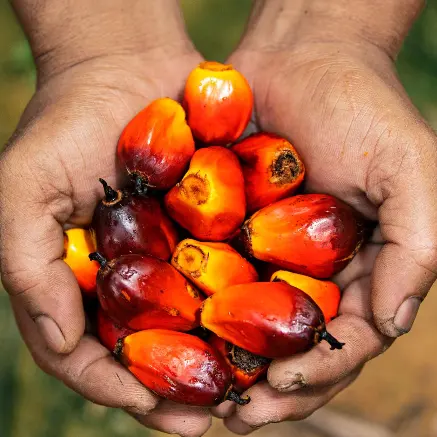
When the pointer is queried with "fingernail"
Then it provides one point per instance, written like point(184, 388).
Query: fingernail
point(51, 333)
point(295, 383)
point(406, 314)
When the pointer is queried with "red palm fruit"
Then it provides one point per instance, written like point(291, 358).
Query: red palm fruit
point(212, 266)
point(178, 366)
point(312, 234)
point(78, 244)
point(272, 169)
point(219, 103)
point(209, 201)
point(108, 331)
point(325, 294)
point(156, 145)
point(143, 292)
point(246, 368)
point(127, 222)
point(270, 319)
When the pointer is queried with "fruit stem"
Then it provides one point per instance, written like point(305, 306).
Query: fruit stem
point(140, 185)
point(110, 194)
point(235, 397)
point(96, 256)
point(333, 342)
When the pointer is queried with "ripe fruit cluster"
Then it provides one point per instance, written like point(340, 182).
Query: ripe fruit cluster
point(209, 265)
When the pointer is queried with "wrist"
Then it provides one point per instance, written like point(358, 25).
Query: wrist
point(63, 33)
point(279, 24)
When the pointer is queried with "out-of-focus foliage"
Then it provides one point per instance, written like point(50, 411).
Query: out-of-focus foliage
point(31, 403)
point(417, 63)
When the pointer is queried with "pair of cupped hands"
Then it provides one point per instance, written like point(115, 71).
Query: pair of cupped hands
point(342, 107)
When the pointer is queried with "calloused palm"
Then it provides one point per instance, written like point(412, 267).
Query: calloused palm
point(48, 180)
point(362, 141)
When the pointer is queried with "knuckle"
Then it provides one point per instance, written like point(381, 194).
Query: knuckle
point(17, 282)
point(44, 360)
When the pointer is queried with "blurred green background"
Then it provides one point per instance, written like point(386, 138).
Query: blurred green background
point(35, 405)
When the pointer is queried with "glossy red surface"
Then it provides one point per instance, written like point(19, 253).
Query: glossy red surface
point(143, 292)
point(157, 144)
point(177, 366)
point(313, 234)
point(134, 224)
point(270, 319)
point(108, 331)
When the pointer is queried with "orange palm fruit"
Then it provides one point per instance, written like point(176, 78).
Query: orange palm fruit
point(219, 103)
point(78, 244)
point(247, 368)
point(313, 234)
point(209, 201)
point(212, 266)
point(108, 331)
point(270, 319)
point(325, 294)
point(178, 366)
point(156, 145)
point(272, 169)
point(144, 292)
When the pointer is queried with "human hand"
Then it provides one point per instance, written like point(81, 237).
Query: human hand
point(323, 76)
point(87, 92)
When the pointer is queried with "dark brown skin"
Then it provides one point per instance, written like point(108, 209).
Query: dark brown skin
point(143, 292)
point(178, 366)
point(273, 320)
point(126, 222)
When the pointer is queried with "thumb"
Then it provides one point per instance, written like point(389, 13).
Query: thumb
point(402, 182)
point(31, 249)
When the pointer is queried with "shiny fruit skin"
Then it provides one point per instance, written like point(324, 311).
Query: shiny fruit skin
point(325, 294)
point(312, 234)
point(157, 144)
point(133, 224)
point(247, 369)
point(218, 101)
point(176, 366)
point(212, 266)
point(78, 244)
point(209, 201)
point(270, 319)
point(272, 169)
point(108, 331)
point(143, 292)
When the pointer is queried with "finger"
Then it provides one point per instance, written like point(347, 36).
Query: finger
point(400, 283)
point(361, 265)
point(406, 267)
point(31, 249)
point(225, 409)
point(356, 300)
point(173, 418)
point(321, 366)
point(237, 426)
point(270, 406)
point(89, 370)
